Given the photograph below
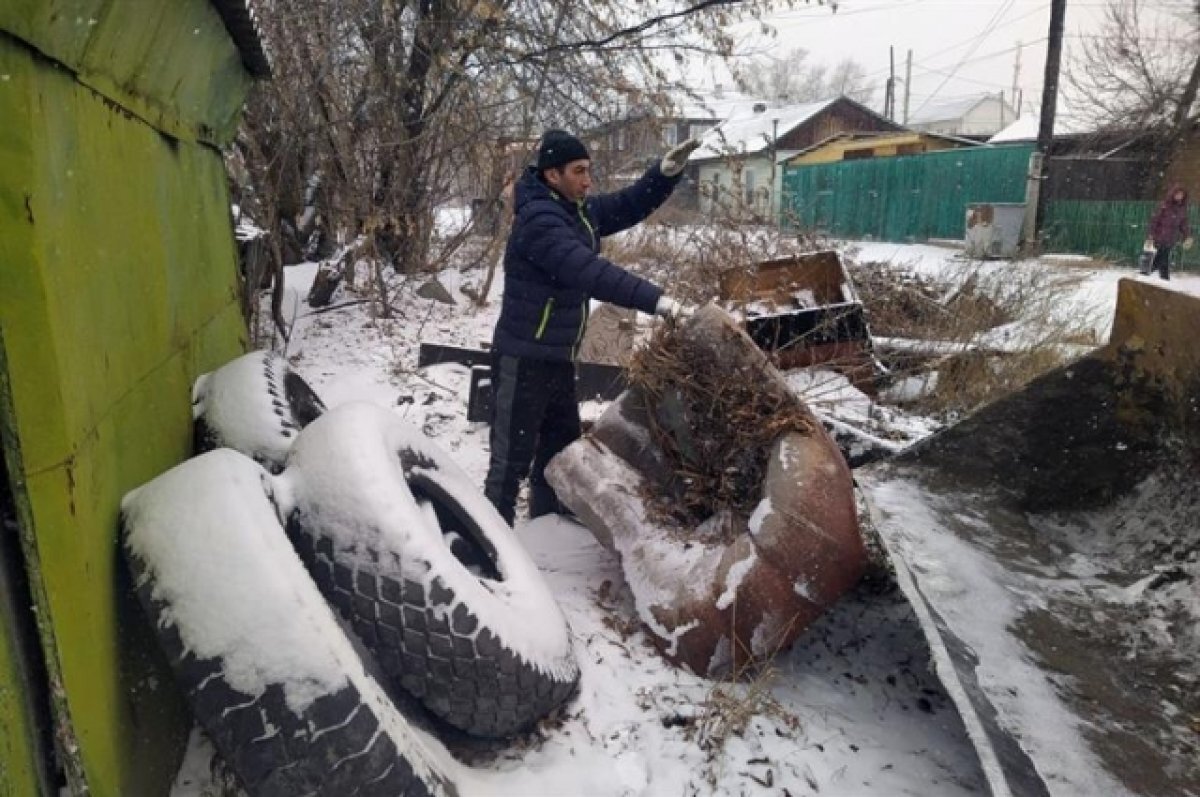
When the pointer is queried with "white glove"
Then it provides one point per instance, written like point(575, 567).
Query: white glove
point(677, 157)
point(671, 310)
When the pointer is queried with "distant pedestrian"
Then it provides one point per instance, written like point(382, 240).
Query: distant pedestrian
point(1168, 229)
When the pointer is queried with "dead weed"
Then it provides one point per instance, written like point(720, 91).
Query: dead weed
point(714, 426)
point(983, 330)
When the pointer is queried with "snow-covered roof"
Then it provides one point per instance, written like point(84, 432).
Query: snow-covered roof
point(751, 132)
point(955, 108)
point(1026, 129)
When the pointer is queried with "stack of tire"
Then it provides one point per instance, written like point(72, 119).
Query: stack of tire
point(312, 571)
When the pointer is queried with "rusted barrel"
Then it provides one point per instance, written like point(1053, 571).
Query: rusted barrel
point(737, 587)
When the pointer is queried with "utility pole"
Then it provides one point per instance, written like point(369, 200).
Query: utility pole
point(1017, 77)
point(891, 85)
point(774, 156)
point(907, 84)
point(1039, 160)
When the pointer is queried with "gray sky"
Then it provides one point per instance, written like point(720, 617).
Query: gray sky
point(960, 47)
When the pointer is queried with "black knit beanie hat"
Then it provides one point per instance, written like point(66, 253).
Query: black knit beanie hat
point(558, 148)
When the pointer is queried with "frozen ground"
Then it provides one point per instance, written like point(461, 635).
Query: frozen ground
point(853, 709)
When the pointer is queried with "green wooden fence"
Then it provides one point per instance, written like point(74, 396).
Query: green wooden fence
point(1112, 230)
point(918, 197)
point(906, 198)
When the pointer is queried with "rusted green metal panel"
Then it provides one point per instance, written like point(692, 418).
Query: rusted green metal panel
point(170, 63)
point(26, 765)
point(117, 286)
point(21, 753)
point(18, 762)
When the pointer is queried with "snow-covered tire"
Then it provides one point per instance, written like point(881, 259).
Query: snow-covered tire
point(427, 573)
point(255, 404)
point(270, 674)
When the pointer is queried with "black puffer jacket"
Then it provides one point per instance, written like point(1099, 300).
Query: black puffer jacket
point(552, 264)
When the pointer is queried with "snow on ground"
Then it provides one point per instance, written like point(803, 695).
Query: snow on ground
point(1088, 287)
point(852, 709)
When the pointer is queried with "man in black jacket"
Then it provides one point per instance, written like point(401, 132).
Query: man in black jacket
point(552, 268)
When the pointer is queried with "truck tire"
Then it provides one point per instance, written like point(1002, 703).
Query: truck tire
point(427, 573)
point(255, 404)
point(263, 661)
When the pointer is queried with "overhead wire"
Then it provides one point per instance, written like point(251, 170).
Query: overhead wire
point(988, 29)
point(1042, 7)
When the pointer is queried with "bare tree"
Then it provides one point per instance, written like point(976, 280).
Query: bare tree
point(848, 77)
point(1137, 75)
point(401, 106)
point(794, 77)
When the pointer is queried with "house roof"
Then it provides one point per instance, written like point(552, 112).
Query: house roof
point(884, 136)
point(750, 132)
point(1026, 129)
point(944, 110)
point(242, 24)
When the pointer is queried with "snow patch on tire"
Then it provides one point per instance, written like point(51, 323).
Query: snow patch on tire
point(473, 632)
point(270, 674)
point(255, 404)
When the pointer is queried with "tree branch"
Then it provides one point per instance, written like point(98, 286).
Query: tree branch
point(641, 27)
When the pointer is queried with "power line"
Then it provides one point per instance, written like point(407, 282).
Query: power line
point(1041, 7)
point(986, 56)
point(987, 31)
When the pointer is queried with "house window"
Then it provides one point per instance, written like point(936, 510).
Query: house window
point(695, 130)
point(670, 135)
point(749, 179)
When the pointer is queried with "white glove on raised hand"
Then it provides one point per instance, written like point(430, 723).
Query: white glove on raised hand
point(671, 309)
point(677, 157)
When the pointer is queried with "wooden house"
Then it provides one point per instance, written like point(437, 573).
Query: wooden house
point(861, 146)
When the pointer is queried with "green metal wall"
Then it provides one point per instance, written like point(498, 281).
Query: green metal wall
point(23, 709)
point(171, 64)
point(911, 197)
point(1113, 230)
point(117, 287)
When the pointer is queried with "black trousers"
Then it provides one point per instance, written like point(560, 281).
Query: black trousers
point(1162, 262)
point(534, 416)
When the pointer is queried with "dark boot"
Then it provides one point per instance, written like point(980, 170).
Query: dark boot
point(544, 501)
